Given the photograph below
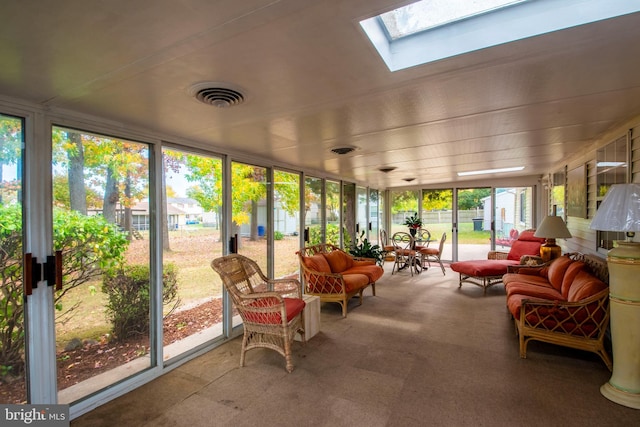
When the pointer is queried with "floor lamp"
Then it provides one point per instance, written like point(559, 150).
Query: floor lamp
point(620, 211)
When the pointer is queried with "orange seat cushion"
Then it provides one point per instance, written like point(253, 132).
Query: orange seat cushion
point(483, 267)
point(373, 272)
point(534, 291)
point(293, 306)
point(530, 280)
point(353, 282)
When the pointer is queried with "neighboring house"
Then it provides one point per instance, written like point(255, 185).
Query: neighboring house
point(283, 222)
point(180, 211)
point(510, 211)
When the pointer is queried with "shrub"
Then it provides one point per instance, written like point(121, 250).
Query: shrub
point(277, 235)
point(333, 234)
point(89, 244)
point(128, 301)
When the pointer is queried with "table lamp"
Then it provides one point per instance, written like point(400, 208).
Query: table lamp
point(620, 211)
point(551, 228)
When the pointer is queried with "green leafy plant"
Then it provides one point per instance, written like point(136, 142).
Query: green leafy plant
point(332, 230)
point(413, 221)
point(128, 299)
point(88, 243)
point(277, 235)
point(364, 249)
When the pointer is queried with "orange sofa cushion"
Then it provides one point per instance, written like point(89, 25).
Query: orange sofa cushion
point(529, 279)
point(483, 267)
point(556, 270)
point(373, 272)
point(569, 275)
point(338, 261)
point(353, 282)
point(317, 263)
point(584, 285)
point(534, 291)
point(526, 244)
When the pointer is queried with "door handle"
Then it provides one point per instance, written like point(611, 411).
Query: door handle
point(51, 271)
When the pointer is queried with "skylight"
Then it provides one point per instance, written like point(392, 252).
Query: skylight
point(427, 14)
point(431, 30)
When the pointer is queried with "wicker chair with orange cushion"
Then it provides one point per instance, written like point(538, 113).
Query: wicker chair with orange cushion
point(335, 276)
point(488, 272)
point(271, 309)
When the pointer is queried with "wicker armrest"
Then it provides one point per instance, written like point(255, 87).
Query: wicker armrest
point(286, 287)
point(497, 255)
point(532, 270)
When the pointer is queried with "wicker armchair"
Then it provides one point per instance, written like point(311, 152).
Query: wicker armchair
point(271, 310)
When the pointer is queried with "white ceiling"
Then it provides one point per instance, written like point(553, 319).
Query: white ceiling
point(314, 82)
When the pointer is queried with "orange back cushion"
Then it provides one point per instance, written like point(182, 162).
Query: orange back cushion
point(338, 261)
point(573, 269)
point(555, 273)
point(526, 244)
point(584, 285)
point(317, 263)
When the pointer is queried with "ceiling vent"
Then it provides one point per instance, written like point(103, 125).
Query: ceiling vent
point(343, 150)
point(408, 179)
point(219, 95)
point(387, 169)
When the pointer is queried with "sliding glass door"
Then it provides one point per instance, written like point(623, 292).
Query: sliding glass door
point(192, 200)
point(473, 219)
point(102, 317)
point(286, 222)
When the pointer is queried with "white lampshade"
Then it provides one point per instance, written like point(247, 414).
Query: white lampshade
point(619, 210)
point(553, 227)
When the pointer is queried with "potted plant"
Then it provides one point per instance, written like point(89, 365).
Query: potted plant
point(365, 249)
point(413, 222)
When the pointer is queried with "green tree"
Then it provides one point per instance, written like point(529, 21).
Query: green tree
point(472, 198)
point(10, 148)
point(437, 200)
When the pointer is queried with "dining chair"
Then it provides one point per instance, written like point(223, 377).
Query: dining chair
point(405, 253)
point(387, 247)
point(423, 240)
point(432, 254)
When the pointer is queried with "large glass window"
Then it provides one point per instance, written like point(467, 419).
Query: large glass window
point(332, 212)
point(437, 218)
point(286, 219)
point(611, 168)
point(313, 211)
point(12, 328)
point(403, 205)
point(192, 199)
point(103, 321)
point(249, 195)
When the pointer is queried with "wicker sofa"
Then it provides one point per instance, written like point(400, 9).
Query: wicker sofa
point(335, 276)
point(565, 302)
